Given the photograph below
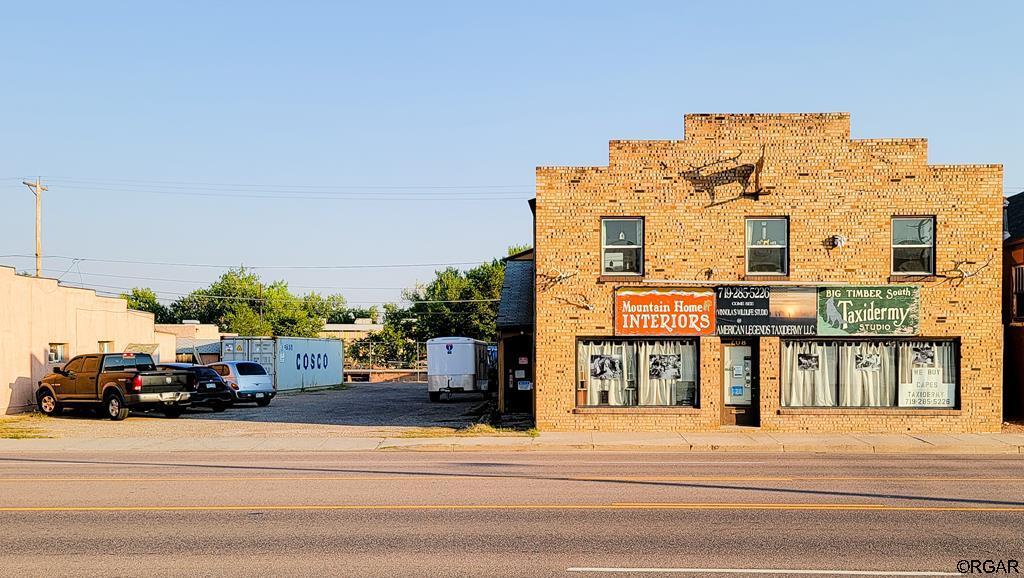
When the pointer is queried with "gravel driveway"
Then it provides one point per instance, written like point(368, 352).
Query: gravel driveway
point(361, 410)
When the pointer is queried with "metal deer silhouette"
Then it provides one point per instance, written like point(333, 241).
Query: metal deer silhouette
point(708, 182)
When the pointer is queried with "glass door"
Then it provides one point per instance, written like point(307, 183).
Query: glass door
point(740, 400)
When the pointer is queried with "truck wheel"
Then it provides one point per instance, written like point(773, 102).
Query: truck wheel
point(263, 402)
point(435, 396)
point(47, 403)
point(219, 407)
point(116, 409)
point(173, 411)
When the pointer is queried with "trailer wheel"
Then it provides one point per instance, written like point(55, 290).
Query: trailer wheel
point(435, 396)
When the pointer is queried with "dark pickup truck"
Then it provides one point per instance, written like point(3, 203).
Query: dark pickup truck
point(117, 382)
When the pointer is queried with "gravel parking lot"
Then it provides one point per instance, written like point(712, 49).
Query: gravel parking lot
point(360, 410)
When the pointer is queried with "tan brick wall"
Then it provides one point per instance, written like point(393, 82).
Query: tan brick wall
point(827, 185)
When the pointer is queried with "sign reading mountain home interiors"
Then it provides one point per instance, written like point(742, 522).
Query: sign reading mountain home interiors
point(675, 311)
point(763, 310)
point(869, 310)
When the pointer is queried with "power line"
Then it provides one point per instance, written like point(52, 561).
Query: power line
point(301, 191)
point(264, 300)
point(304, 197)
point(524, 195)
point(212, 266)
point(200, 282)
point(279, 187)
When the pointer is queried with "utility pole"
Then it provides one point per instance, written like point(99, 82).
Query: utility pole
point(37, 189)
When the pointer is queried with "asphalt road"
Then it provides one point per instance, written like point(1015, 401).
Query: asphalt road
point(536, 514)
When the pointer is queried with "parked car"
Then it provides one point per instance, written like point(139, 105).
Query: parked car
point(247, 380)
point(115, 382)
point(208, 388)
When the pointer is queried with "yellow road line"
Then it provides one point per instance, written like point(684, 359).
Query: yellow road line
point(138, 479)
point(613, 506)
point(221, 478)
point(792, 479)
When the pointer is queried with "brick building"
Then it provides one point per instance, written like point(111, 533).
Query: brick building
point(769, 271)
point(1013, 307)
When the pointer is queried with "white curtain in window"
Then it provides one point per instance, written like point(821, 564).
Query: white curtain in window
point(609, 366)
point(808, 374)
point(943, 357)
point(927, 354)
point(867, 374)
point(666, 369)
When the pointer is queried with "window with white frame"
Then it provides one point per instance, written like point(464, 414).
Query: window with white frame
point(913, 245)
point(767, 242)
point(622, 246)
point(57, 353)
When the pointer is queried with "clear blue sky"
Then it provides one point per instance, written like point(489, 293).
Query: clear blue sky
point(307, 98)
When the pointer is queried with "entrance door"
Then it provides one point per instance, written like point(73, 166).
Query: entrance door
point(740, 391)
point(518, 377)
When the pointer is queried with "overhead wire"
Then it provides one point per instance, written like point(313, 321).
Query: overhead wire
point(266, 299)
point(235, 266)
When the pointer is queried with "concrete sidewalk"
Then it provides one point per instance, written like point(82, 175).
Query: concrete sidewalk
point(1000, 443)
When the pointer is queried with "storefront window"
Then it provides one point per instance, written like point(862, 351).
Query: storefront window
point(622, 251)
point(808, 374)
point(767, 245)
point(869, 373)
point(620, 372)
point(928, 376)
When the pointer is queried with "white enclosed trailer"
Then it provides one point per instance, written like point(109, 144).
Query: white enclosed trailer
point(456, 364)
point(293, 362)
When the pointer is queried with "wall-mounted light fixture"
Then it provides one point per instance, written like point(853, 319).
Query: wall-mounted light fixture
point(836, 241)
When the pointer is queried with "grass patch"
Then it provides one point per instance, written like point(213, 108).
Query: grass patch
point(475, 430)
point(22, 427)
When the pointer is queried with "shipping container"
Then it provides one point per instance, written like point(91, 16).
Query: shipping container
point(303, 363)
point(294, 363)
point(456, 364)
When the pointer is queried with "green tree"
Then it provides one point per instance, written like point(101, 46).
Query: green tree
point(514, 249)
point(144, 299)
point(458, 303)
point(331, 308)
point(239, 302)
point(455, 303)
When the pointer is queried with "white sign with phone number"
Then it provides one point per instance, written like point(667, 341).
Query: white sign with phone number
point(926, 389)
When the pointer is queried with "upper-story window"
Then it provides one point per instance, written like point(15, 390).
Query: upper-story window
point(622, 246)
point(913, 245)
point(57, 353)
point(768, 246)
point(1017, 276)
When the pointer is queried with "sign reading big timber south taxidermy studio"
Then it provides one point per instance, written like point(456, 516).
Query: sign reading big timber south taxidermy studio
point(676, 311)
point(783, 311)
point(763, 310)
point(872, 310)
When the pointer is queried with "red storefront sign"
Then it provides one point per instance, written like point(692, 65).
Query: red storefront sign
point(665, 312)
